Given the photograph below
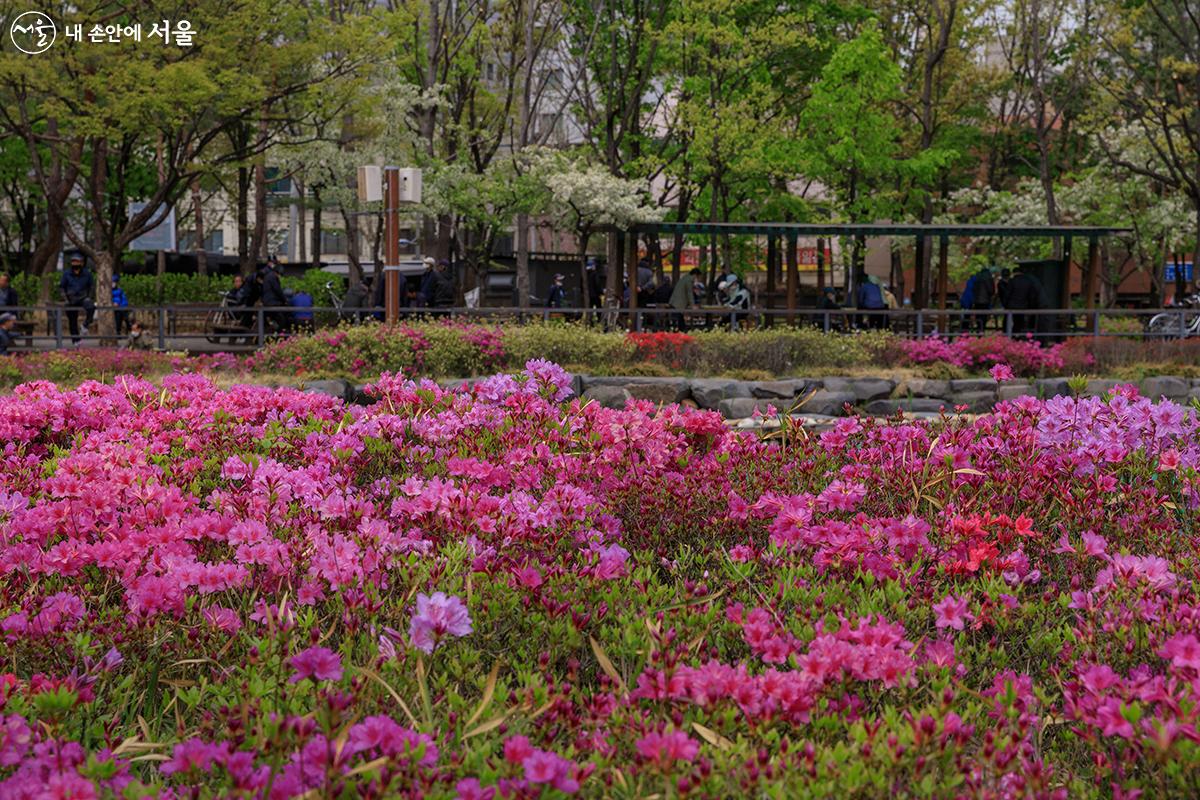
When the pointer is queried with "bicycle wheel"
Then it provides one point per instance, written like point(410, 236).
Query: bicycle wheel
point(1164, 326)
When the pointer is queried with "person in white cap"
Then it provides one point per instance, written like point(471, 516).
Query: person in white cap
point(428, 280)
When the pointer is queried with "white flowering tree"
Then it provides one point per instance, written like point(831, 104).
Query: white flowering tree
point(585, 198)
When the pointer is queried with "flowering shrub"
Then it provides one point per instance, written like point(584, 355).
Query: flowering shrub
point(1024, 356)
point(662, 347)
point(497, 593)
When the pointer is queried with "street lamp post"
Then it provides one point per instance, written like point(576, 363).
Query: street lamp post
point(392, 186)
point(391, 238)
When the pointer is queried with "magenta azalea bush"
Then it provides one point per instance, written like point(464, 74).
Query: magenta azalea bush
point(497, 593)
point(1025, 356)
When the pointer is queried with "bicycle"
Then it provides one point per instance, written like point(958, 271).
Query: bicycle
point(226, 323)
point(1177, 324)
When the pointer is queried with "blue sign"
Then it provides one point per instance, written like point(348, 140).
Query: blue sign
point(1170, 274)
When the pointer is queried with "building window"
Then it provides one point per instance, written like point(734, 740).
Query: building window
point(277, 186)
point(333, 241)
point(214, 242)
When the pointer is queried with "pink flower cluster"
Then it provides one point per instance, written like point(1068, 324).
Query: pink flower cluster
point(501, 593)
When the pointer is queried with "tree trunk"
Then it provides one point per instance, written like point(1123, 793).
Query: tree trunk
point(316, 231)
point(353, 258)
point(258, 244)
point(584, 291)
point(198, 213)
point(523, 291)
point(302, 223)
point(105, 261)
point(245, 257)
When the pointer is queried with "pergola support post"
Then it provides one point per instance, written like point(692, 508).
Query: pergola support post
point(943, 281)
point(1091, 281)
point(820, 267)
point(1066, 279)
point(793, 278)
point(772, 258)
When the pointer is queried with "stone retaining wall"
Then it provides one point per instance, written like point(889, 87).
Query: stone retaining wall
point(821, 397)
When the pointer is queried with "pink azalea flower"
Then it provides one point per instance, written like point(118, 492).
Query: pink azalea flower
point(318, 663)
point(952, 612)
point(1183, 650)
point(437, 616)
point(665, 748)
point(1002, 372)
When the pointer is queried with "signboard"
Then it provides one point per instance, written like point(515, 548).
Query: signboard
point(1170, 273)
point(160, 238)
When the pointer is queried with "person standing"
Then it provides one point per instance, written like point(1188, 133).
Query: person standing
point(77, 287)
point(870, 298)
point(8, 295)
point(120, 306)
point(426, 288)
point(558, 295)
point(1024, 293)
point(443, 285)
point(682, 298)
point(983, 296)
point(273, 296)
point(302, 317)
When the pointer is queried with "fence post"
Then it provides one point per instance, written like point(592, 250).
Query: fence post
point(1096, 325)
point(1008, 323)
point(262, 327)
point(162, 328)
point(1182, 326)
point(637, 320)
point(920, 324)
point(825, 321)
point(58, 342)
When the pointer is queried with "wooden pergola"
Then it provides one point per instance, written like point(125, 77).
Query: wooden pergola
point(788, 234)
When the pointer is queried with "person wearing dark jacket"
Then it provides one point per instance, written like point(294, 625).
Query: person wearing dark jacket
point(77, 287)
point(443, 286)
point(7, 322)
point(273, 296)
point(557, 298)
point(982, 297)
point(1024, 292)
point(8, 295)
point(426, 287)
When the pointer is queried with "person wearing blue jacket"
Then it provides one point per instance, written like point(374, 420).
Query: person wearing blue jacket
point(120, 306)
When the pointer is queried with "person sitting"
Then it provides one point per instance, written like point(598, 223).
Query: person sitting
point(8, 295)
point(137, 338)
point(8, 321)
point(737, 297)
point(120, 306)
point(302, 317)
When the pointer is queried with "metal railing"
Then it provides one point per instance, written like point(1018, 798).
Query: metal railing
point(190, 326)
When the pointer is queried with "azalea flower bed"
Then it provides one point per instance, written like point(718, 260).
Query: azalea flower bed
point(501, 594)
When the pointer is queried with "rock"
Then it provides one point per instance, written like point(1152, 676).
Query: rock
point(977, 402)
point(1099, 386)
point(863, 389)
point(1012, 390)
point(742, 407)
point(709, 392)
point(333, 388)
point(607, 396)
point(664, 392)
point(872, 388)
point(359, 396)
point(1194, 394)
point(1164, 386)
point(688, 402)
point(974, 385)
point(886, 408)
point(785, 390)
point(1052, 387)
point(827, 402)
point(576, 386)
point(926, 387)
